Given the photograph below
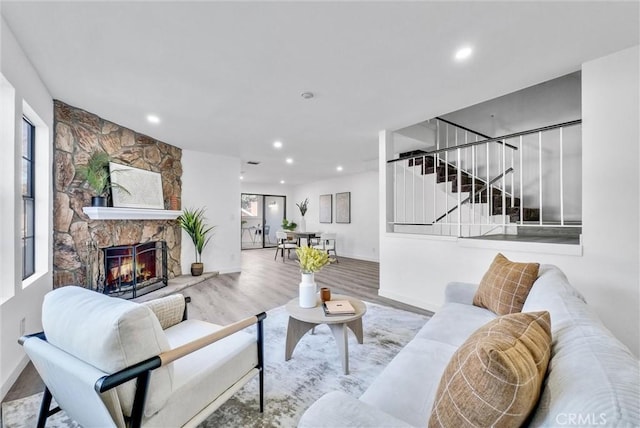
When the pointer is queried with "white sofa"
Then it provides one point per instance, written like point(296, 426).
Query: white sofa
point(592, 378)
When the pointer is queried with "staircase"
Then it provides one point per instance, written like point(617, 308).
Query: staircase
point(482, 194)
point(471, 185)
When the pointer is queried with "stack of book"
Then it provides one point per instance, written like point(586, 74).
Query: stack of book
point(338, 308)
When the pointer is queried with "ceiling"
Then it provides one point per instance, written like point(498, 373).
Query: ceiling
point(549, 103)
point(226, 77)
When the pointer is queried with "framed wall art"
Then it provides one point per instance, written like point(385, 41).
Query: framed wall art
point(326, 208)
point(343, 207)
point(143, 188)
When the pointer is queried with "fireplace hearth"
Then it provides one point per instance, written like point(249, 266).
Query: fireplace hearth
point(134, 270)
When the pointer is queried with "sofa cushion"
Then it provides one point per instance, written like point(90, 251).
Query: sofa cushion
point(505, 286)
point(205, 374)
point(407, 386)
point(592, 377)
point(110, 334)
point(494, 378)
point(466, 320)
point(337, 409)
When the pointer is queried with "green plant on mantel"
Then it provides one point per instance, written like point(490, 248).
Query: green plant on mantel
point(96, 174)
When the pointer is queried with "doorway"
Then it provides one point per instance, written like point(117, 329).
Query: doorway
point(261, 216)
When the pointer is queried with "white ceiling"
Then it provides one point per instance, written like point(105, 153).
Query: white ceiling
point(226, 77)
point(548, 103)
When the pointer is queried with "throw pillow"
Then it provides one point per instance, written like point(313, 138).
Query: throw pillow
point(169, 310)
point(495, 377)
point(506, 285)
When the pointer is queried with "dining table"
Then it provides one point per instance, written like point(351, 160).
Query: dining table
point(306, 235)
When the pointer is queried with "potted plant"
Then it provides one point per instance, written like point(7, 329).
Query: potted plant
point(287, 225)
point(96, 174)
point(310, 260)
point(302, 206)
point(193, 222)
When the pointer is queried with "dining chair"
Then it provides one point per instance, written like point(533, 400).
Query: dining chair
point(284, 244)
point(327, 243)
point(257, 232)
point(315, 240)
point(267, 231)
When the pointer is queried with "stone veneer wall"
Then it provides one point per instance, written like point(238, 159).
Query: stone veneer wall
point(77, 239)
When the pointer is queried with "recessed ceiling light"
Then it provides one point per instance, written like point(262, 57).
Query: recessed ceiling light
point(277, 144)
point(242, 177)
point(289, 160)
point(307, 95)
point(463, 53)
point(152, 118)
point(339, 168)
point(281, 181)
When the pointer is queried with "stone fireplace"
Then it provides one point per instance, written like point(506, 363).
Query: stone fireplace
point(78, 240)
point(134, 270)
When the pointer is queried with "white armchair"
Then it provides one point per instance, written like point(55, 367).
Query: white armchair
point(110, 362)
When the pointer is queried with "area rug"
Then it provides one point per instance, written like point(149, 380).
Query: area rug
point(290, 386)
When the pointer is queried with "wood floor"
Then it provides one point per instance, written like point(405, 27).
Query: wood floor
point(263, 284)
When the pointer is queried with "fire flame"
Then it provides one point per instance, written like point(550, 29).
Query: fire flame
point(124, 271)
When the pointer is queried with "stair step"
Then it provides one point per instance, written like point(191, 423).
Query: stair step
point(497, 201)
point(428, 160)
point(411, 154)
point(428, 170)
point(496, 195)
point(465, 187)
point(449, 173)
point(465, 179)
point(528, 214)
point(549, 231)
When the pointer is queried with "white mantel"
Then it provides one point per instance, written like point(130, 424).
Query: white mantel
point(112, 213)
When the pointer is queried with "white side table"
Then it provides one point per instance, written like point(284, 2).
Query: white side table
point(301, 320)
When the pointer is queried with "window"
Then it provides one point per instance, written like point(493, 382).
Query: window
point(249, 205)
point(28, 198)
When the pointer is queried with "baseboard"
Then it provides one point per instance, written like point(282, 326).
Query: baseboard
point(409, 300)
point(234, 269)
point(13, 377)
point(358, 257)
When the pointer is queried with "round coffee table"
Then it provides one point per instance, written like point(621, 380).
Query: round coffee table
point(301, 320)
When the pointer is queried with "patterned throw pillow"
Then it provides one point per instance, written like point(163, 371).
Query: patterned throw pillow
point(495, 377)
point(506, 285)
point(169, 310)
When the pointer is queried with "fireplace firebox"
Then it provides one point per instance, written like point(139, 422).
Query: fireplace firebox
point(134, 270)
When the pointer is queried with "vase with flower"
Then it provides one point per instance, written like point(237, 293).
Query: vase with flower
point(311, 260)
point(302, 206)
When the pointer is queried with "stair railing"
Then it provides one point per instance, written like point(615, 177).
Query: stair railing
point(440, 158)
point(474, 193)
point(462, 155)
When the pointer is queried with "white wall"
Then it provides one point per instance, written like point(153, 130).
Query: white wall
point(358, 239)
point(610, 273)
point(415, 269)
point(18, 303)
point(211, 181)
